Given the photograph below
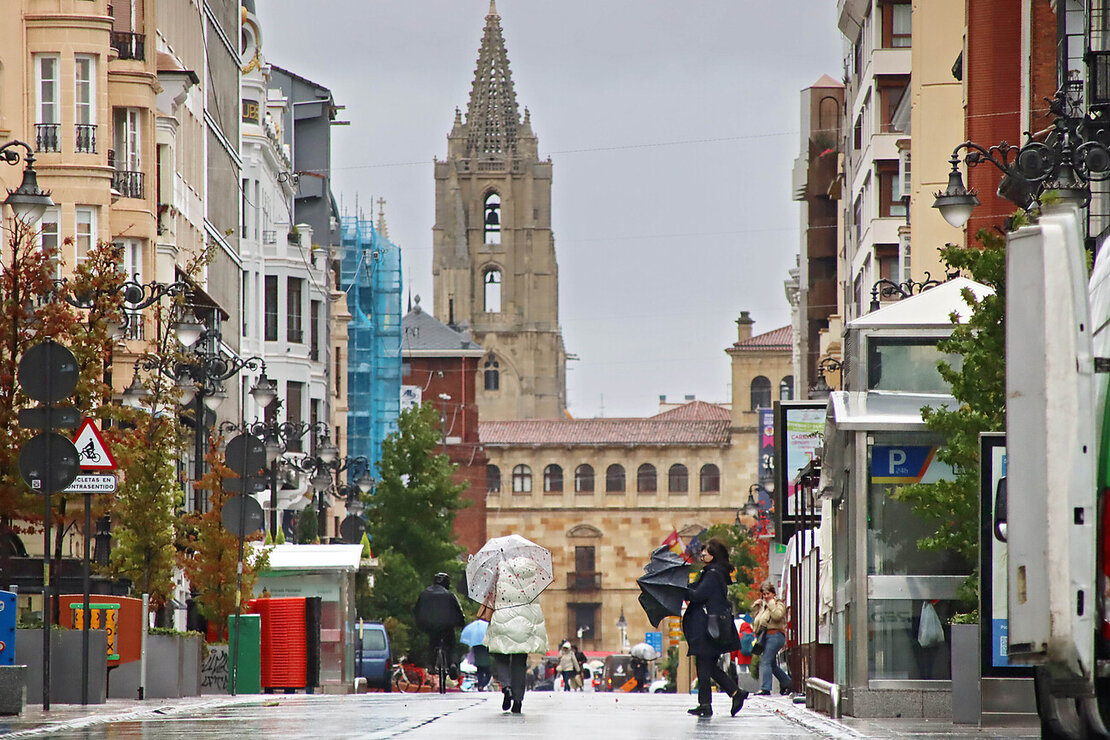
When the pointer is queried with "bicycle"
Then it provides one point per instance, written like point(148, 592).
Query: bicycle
point(441, 667)
point(408, 677)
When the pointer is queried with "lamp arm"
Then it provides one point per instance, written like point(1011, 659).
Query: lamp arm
point(9, 155)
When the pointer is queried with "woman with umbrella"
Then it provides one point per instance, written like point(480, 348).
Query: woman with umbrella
point(515, 629)
point(709, 595)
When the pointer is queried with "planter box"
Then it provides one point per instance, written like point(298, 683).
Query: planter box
point(65, 665)
point(966, 708)
point(172, 666)
point(13, 689)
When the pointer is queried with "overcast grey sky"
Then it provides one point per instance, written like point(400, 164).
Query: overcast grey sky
point(672, 125)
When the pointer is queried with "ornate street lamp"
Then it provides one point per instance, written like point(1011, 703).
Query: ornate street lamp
point(821, 390)
point(889, 289)
point(1065, 158)
point(28, 202)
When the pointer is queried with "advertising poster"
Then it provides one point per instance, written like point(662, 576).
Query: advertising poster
point(994, 623)
point(799, 430)
point(766, 445)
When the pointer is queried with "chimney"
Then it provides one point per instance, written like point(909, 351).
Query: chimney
point(662, 398)
point(690, 397)
point(744, 327)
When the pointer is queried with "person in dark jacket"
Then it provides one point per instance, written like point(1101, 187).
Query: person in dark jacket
point(709, 593)
point(438, 614)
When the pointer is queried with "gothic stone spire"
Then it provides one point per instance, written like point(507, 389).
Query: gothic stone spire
point(492, 118)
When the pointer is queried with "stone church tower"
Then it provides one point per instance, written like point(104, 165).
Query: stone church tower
point(494, 255)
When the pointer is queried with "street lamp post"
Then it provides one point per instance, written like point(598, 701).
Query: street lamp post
point(1064, 158)
point(622, 627)
point(325, 469)
point(821, 390)
point(28, 202)
point(199, 376)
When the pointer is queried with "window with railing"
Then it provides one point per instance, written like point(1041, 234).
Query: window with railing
point(315, 310)
point(84, 103)
point(126, 159)
point(48, 113)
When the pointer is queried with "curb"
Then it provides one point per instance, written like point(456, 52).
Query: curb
point(66, 725)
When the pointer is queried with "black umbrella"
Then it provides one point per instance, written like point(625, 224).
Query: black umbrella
point(663, 585)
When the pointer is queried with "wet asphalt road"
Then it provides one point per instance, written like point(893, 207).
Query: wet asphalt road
point(573, 716)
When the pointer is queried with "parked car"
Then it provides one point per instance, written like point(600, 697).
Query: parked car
point(374, 660)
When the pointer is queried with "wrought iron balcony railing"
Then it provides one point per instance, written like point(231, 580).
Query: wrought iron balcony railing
point(129, 45)
point(583, 581)
point(128, 183)
point(86, 138)
point(46, 137)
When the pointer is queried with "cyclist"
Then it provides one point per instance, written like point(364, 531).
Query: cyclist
point(438, 614)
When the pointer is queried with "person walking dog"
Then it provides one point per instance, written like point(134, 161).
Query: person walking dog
point(708, 598)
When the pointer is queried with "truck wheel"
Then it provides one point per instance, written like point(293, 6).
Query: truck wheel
point(1061, 718)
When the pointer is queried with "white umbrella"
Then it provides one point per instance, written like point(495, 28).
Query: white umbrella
point(508, 571)
point(643, 651)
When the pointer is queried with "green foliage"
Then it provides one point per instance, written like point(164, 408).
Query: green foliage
point(410, 521)
point(367, 553)
point(280, 536)
point(210, 554)
point(979, 387)
point(669, 668)
point(307, 526)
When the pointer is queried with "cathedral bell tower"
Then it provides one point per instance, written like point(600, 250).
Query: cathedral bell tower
point(494, 263)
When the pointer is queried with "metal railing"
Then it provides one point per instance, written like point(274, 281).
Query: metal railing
point(129, 45)
point(86, 138)
point(128, 183)
point(583, 581)
point(46, 137)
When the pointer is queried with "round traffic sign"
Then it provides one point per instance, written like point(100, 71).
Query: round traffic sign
point(351, 529)
point(242, 510)
point(246, 455)
point(49, 462)
point(48, 372)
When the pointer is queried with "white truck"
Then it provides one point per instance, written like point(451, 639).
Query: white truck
point(1058, 444)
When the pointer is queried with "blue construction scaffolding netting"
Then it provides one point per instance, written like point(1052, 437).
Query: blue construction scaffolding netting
point(370, 274)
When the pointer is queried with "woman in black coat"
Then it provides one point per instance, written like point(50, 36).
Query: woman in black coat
point(709, 593)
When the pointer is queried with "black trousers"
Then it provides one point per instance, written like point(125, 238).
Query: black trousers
point(707, 669)
point(509, 669)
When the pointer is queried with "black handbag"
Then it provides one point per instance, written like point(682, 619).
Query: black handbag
point(722, 631)
point(760, 642)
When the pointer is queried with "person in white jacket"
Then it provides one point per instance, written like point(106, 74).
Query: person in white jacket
point(514, 630)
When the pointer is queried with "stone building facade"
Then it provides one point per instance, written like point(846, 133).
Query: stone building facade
point(494, 266)
point(601, 494)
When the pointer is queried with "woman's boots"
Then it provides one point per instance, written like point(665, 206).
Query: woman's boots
point(701, 710)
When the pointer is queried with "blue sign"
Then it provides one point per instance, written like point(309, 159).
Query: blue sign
point(655, 639)
point(7, 628)
point(902, 464)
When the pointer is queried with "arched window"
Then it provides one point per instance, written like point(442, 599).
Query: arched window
point(678, 479)
point(761, 393)
point(491, 286)
point(786, 388)
point(614, 479)
point(645, 478)
point(584, 479)
point(493, 479)
point(522, 479)
point(491, 374)
point(552, 479)
point(710, 478)
point(491, 218)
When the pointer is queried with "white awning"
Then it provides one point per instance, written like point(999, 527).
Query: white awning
point(314, 557)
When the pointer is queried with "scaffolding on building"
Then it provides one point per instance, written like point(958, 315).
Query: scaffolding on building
point(370, 274)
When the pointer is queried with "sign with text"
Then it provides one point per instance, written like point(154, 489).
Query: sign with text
point(904, 464)
point(799, 428)
point(93, 484)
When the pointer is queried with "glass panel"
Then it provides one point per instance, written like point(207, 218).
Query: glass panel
point(897, 645)
point(907, 365)
point(893, 529)
point(48, 90)
point(373, 640)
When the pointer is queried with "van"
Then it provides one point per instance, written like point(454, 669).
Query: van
point(372, 657)
point(616, 673)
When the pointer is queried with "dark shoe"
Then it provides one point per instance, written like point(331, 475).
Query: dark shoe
point(516, 707)
point(763, 693)
point(786, 692)
point(508, 700)
point(738, 701)
point(701, 710)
